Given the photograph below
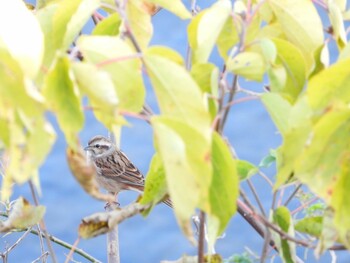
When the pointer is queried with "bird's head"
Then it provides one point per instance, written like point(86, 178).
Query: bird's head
point(99, 146)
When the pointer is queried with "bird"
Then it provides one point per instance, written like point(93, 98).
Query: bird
point(115, 172)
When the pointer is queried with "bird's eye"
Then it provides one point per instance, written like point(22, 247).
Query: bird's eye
point(97, 146)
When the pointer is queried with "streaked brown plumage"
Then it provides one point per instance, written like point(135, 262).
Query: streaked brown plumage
point(115, 172)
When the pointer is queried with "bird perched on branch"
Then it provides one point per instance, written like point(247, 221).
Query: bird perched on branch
point(115, 172)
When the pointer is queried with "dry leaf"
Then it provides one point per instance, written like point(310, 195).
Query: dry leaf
point(101, 223)
point(22, 215)
point(85, 174)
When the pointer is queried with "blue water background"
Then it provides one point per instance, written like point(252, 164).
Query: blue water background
point(157, 237)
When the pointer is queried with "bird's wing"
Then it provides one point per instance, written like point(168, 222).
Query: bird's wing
point(120, 168)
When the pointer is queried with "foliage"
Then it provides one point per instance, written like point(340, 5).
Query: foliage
point(46, 65)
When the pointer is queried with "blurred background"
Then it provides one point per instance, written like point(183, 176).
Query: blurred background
point(157, 237)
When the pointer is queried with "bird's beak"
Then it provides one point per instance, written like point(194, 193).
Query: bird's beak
point(87, 148)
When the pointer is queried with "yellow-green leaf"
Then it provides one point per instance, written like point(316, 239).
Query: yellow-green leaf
point(185, 154)
point(63, 98)
point(15, 90)
point(178, 94)
point(174, 6)
point(207, 77)
point(293, 62)
point(245, 169)
point(139, 22)
point(228, 37)
point(166, 53)
point(155, 186)
point(279, 110)
point(224, 188)
point(248, 64)
point(204, 30)
point(115, 57)
point(310, 225)
point(336, 19)
point(98, 86)
point(330, 85)
point(283, 219)
point(108, 26)
point(61, 22)
point(301, 24)
point(23, 39)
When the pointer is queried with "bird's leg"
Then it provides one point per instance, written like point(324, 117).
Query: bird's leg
point(112, 205)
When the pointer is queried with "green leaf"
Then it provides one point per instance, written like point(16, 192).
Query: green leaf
point(279, 110)
point(293, 62)
point(329, 234)
point(108, 26)
point(24, 40)
point(345, 52)
point(207, 77)
point(245, 169)
point(321, 57)
point(330, 86)
point(174, 6)
point(98, 86)
point(61, 22)
point(30, 140)
point(341, 200)
point(115, 57)
point(178, 94)
point(224, 188)
point(294, 139)
point(282, 218)
point(22, 216)
point(15, 90)
point(227, 38)
point(266, 48)
point(336, 19)
point(63, 98)
point(247, 64)
point(205, 28)
point(185, 153)
point(310, 225)
point(155, 187)
point(166, 52)
point(139, 21)
point(301, 24)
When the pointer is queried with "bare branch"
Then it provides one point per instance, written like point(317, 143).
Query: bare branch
point(42, 224)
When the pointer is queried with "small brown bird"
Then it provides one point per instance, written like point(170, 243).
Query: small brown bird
point(115, 172)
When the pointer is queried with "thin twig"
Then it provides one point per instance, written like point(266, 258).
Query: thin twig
point(255, 194)
point(266, 246)
point(201, 237)
point(293, 194)
point(253, 219)
point(7, 251)
point(264, 176)
point(304, 205)
point(42, 223)
point(68, 246)
point(42, 257)
point(41, 244)
point(71, 252)
point(230, 99)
